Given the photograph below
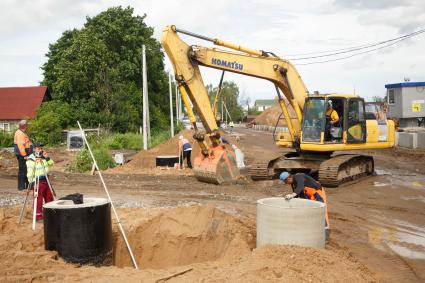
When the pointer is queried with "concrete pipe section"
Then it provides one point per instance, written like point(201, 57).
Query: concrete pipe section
point(81, 233)
point(297, 221)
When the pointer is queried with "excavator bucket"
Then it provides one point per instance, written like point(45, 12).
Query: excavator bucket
point(219, 167)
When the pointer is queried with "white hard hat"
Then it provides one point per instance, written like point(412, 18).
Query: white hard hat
point(180, 137)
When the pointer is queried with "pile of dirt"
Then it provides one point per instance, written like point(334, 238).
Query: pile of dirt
point(146, 159)
point(186, 235)
point(210, 245)
point(270, 116)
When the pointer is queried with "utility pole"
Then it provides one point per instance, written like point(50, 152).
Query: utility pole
point(146, 126)
point(171, 105)
point(180, 103)
point(177, 103)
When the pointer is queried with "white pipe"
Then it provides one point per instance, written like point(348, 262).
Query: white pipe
point(177, 103)
point(109, 197)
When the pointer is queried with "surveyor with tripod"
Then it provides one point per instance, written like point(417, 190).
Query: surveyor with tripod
point(38, 165)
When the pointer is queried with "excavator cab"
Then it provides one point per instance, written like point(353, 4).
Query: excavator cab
point(351, 124)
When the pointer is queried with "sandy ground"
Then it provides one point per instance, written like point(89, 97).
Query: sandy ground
point(378, 227)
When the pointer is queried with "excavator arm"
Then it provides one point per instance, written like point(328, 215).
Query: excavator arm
point(186, 60)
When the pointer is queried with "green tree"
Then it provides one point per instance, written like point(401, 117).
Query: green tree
point(377, 98)
point(96, 71)
point(229, 94)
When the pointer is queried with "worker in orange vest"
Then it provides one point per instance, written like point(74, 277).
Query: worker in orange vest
point(23, 148)
point(304, 186)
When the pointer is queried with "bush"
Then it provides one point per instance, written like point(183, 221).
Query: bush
point(124, 141)
point(83, 161)
point(46, 129)
point(159, 137)
point(6, 139)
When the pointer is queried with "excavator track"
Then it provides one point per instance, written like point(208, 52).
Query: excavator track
point(344, 168)
point(261, 170)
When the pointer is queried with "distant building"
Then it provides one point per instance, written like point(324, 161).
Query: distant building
point(406, 102)
point(263, 104)
point(17, 103)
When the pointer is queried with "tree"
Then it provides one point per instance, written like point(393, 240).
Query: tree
point(377, 98)
point(229, 94)
point(96, 71)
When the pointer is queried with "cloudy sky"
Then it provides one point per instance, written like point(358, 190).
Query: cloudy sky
point(284, 27)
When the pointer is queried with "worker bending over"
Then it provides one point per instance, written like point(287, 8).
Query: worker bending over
point(332, 119)
point(38, 165)
point(186, 151)
point(304, 186)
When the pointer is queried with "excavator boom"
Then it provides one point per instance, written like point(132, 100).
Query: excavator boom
point(216, 164)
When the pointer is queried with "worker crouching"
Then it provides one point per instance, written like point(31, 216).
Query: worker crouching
point(38, 164)
point(304, 186)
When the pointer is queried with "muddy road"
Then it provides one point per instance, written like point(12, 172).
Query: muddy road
point(379, 221)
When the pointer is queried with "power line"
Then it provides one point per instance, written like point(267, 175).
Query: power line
point(360, 47)
point(352, 55)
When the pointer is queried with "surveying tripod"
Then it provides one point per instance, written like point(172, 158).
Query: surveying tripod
point(36, 188)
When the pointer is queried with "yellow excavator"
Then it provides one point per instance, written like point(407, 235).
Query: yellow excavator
point(310, 134)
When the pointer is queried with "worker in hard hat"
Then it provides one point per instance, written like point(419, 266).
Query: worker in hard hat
point(332, 119)
point(232, 126)
point(185, 151)
point(38, 165)
point(23, 147)
point(304, 186)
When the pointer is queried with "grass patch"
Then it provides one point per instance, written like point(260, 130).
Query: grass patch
point(102, 145)
point(123, 141)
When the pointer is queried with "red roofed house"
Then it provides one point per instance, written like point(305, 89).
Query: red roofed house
point(17, 103)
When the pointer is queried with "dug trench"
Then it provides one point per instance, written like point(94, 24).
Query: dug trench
point(189, 243)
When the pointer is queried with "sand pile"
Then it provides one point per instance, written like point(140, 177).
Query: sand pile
point(210, 245)
point(146, 159)
point(270, 116)
point(186, 235)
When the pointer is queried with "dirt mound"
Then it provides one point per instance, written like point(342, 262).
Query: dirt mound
point(186, 235)
point(146, 159)
point(211, 245)
point(270, 116)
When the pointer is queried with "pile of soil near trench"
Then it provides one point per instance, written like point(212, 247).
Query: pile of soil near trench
point(146, 159)
point(210, 245)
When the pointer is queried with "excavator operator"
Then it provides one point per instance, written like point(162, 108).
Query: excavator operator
point(332, 119)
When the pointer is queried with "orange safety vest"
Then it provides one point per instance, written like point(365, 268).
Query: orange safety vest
point(22, 143)
point(318, 195)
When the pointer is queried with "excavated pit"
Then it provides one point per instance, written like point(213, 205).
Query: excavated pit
point(184, 235)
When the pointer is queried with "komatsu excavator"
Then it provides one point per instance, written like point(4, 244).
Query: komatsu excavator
point(314, 148)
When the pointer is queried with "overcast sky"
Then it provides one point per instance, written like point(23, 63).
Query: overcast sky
point(284, 27)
